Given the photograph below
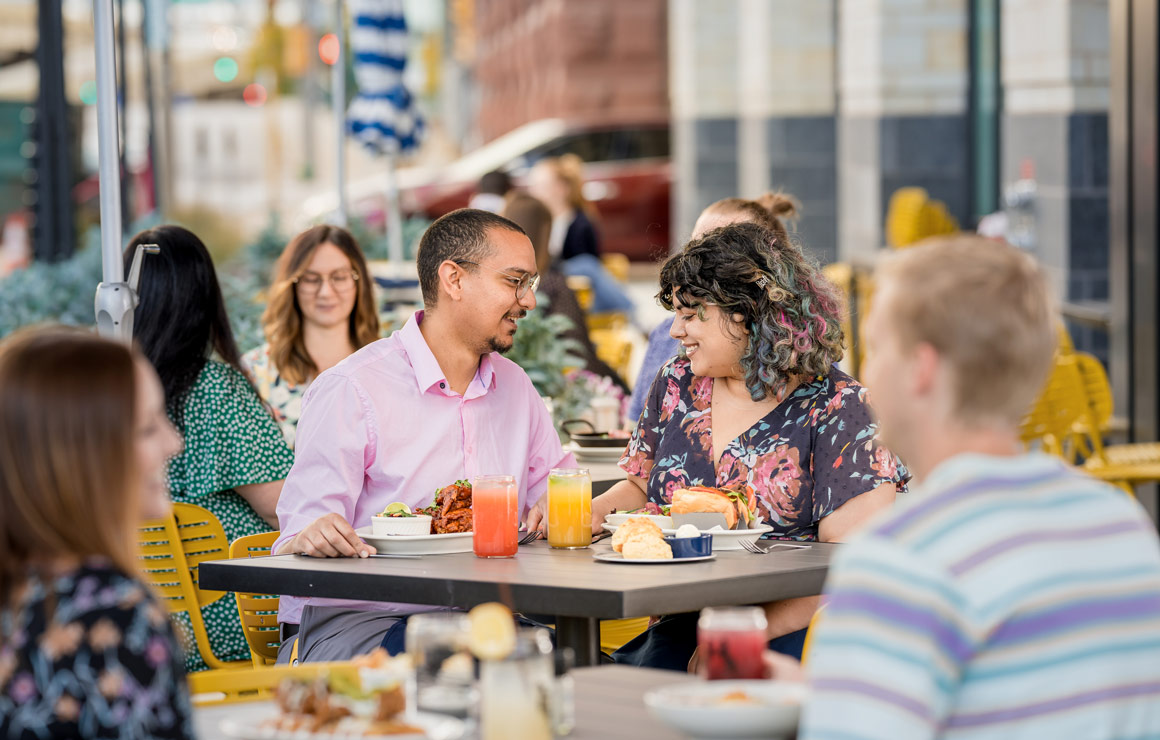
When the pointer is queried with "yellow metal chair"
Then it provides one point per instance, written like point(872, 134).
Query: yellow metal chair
point(614, 633)
point(809, 641)
point(616, 264)
point(1125, 464)
point(614, 346)
point(252, 684)
point(172, 551)
point(1061, 407)
point(259, 612)
point(581, 286)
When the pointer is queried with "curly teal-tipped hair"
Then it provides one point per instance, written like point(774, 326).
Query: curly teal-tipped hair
point(793, 314)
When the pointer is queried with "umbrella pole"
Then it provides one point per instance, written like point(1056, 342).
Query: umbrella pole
point(114, 304)
point(338, 103)
point(394, 214)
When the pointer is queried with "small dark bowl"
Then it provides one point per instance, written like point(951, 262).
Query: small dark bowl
point(691, 547)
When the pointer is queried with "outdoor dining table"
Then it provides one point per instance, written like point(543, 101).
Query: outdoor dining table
point(609, 705)
point(569, 584)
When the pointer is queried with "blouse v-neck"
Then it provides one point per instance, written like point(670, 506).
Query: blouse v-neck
point(749, 430)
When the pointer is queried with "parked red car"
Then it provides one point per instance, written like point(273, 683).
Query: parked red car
point(627, 176)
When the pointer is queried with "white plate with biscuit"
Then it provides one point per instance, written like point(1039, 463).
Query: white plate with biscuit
point(615, 557)
point(723, 539)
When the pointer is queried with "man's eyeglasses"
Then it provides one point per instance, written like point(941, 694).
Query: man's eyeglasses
point(342, 281)
point(521, 283)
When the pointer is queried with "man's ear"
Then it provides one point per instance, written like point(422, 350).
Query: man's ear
point(927, 364)
point(451, 279)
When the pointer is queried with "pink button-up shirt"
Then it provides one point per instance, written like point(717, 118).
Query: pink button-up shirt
point(384, 425)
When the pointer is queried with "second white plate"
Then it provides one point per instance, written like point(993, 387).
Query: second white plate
point(596, 454)
point(725, 539)
point(419, 544)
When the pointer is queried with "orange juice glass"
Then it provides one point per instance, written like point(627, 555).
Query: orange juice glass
point(569, 508)
point(495, 507)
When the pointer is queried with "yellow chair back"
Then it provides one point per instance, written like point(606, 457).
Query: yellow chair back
point(809, 641)
point(616, 264)
point(614, 346)
point(172, 550)
point(259, 612)
point(1061, 406)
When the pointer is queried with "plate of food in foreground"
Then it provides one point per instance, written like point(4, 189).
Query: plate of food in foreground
point(640, 541)
point(729, 709)
point(615, 557)
point(723, 539)
point(365, 698)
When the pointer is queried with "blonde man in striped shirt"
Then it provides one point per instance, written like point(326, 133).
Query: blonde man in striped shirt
point(1008, 596)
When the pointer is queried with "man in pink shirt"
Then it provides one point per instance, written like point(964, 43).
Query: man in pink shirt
point(407, 415)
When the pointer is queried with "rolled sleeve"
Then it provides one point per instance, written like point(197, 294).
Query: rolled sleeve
point(337, 441)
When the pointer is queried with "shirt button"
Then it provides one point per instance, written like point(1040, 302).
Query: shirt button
point(442, 385)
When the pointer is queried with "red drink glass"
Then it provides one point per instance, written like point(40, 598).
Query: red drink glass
point(495, 504)
point(731, 642)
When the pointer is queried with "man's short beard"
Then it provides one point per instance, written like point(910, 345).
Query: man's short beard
point(494, 346)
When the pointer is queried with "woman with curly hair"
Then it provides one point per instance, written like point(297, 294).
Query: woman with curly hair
point(321, 310)
point(754, 403)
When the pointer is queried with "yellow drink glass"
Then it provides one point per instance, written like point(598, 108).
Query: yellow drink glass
point(569, 508)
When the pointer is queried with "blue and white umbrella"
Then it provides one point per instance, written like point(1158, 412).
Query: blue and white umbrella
point(383, 115)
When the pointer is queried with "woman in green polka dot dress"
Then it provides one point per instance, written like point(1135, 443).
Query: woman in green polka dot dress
point(234, 459)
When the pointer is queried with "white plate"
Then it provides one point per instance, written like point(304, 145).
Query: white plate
point(696, 709)
point(724, 539)
point(615, 557)
point(418, 544)
point(434, 726)
point(664, 522)
point(596, 454)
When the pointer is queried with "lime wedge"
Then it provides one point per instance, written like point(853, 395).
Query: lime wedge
point(493, 631)
point(397, 507)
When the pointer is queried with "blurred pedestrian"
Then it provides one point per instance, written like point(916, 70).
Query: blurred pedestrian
point(771, 211)
point(493, 188)
point(86, 649)
point(535, 218)
point(234, 459)
point(574, 241)
point(321, 309)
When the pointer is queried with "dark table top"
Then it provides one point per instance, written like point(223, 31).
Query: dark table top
point(538, 580)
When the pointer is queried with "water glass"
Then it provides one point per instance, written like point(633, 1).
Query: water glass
point(732, 641)
point(437, 643)
point(569, 508)
point(495, 503)
point(517, 694)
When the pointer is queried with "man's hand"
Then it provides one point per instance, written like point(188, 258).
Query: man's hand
point(538, 516)
point(329, 536)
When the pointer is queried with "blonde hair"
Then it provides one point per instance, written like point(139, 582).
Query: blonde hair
point(536, 220)
point(986, 309)
point(68, 487)
point(770, 210)
point(569, 169)
point(282, 319)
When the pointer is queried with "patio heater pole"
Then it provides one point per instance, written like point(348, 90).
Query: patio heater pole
point(114, 304)
point(338, 105)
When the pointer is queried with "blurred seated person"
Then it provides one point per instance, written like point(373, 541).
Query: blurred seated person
point(493, 188)
point(1010, 596)
point(360, 447)
point(534, 217)
point(321, 309)
point(234, 456)
point(771, 211)
point(754, 404)
point(86, 648)
point(574, 242)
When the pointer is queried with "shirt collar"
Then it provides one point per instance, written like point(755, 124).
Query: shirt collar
point(426, 367)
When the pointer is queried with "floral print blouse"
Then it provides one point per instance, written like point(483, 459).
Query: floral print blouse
point(810, 454)
point(284, 397)
point(90, 654)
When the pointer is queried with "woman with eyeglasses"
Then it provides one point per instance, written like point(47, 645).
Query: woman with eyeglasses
point(234, 458)
point(321, 309)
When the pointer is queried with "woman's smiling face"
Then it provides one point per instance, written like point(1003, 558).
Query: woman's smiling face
point(713, 342)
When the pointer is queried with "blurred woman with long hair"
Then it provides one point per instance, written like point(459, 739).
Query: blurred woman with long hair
point(86, 649)
point(321, 309)
point(234, 459)
point(574, 241)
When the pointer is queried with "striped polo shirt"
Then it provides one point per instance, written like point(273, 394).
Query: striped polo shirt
point(1007, 597)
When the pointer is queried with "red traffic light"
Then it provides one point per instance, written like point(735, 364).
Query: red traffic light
point(329, 49)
